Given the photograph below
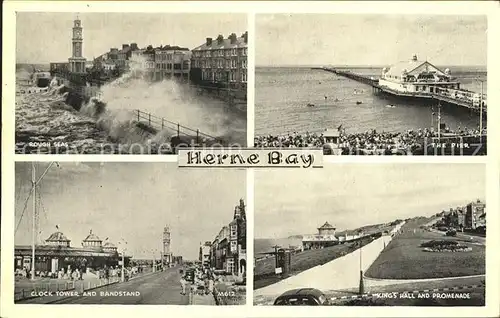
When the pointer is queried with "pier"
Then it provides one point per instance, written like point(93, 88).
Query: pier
point(456, 97)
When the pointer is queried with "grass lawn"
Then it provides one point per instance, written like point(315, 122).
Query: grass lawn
point(264, 269)
point(403, 258)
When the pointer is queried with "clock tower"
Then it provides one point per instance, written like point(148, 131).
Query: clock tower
point(77, 61)
point(167, 254)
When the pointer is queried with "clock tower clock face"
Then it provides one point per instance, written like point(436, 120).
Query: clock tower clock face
point(78, 34)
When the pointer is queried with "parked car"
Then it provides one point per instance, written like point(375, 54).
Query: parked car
point(190, 273)
point(302, 297)
point(451, 232)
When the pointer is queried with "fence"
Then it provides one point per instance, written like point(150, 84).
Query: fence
point(78, 286)
point(160, 123)
point(43, 288)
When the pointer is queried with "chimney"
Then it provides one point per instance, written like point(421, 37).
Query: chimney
point(232, 37)
point(245, 36)
point(220, 39)
point(209, 41)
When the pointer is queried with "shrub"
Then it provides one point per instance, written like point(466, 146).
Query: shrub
point(439, 243)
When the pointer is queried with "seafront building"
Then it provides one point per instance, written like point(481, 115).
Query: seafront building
point(204, 257)
point(469, 217)
point(164, 62)
point(422, 77)
point(327, 236)
point(172, 62)
point(475, 215)
point(56, 253)
point(228, 250)
point(221, 62)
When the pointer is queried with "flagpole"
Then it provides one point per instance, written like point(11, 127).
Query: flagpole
point(33, 189)
point(439, 122)
point(34, 184)
point(432, 117)
point(481, 115)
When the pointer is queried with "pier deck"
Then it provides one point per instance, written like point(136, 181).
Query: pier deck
point(462, 102)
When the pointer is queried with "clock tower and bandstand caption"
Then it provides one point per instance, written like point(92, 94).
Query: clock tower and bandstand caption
point(77, 61)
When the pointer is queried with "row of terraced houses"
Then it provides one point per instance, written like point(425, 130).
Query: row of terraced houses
point(220, 62)
point(469, 217)
point(216, 63)
point(227, 252)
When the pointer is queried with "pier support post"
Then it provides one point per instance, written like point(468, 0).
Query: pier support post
point(149, 119)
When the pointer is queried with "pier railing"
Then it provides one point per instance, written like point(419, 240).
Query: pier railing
point(160, 123)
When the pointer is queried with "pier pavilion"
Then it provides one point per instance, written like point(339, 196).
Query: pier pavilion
point(415, 76)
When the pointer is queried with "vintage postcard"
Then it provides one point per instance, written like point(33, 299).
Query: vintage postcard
point(371, 235)
point(94, 242)
point(155, 153)
point(129, 83)
point(373, 84)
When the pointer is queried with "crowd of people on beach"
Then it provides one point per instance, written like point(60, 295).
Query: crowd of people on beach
point(370, 140)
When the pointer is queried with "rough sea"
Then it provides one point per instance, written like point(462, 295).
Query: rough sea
point(44, 119)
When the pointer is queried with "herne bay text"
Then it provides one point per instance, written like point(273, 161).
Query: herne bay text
point(272, 158)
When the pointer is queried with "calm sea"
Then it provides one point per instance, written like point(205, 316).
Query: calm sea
point(282, 95)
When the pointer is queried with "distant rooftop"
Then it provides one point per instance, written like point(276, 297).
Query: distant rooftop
point(220, 43)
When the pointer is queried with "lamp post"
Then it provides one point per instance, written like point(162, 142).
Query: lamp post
point(34, 184)
point(481, 112)
point(123, 243)
point(361, 282)
point(154, 251)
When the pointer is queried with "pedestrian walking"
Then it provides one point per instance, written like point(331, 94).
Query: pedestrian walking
point(210, 285)
point(183, 285)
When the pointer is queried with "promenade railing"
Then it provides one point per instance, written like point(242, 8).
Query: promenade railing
point(160, 123)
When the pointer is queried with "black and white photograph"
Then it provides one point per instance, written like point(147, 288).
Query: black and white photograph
point(372, 84)
point(129, 233)
point(371, 235)
point(129, 83)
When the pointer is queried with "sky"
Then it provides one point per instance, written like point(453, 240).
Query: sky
point(46, 37)
point(347, 39)
point(349, 196)
point(133, 201)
